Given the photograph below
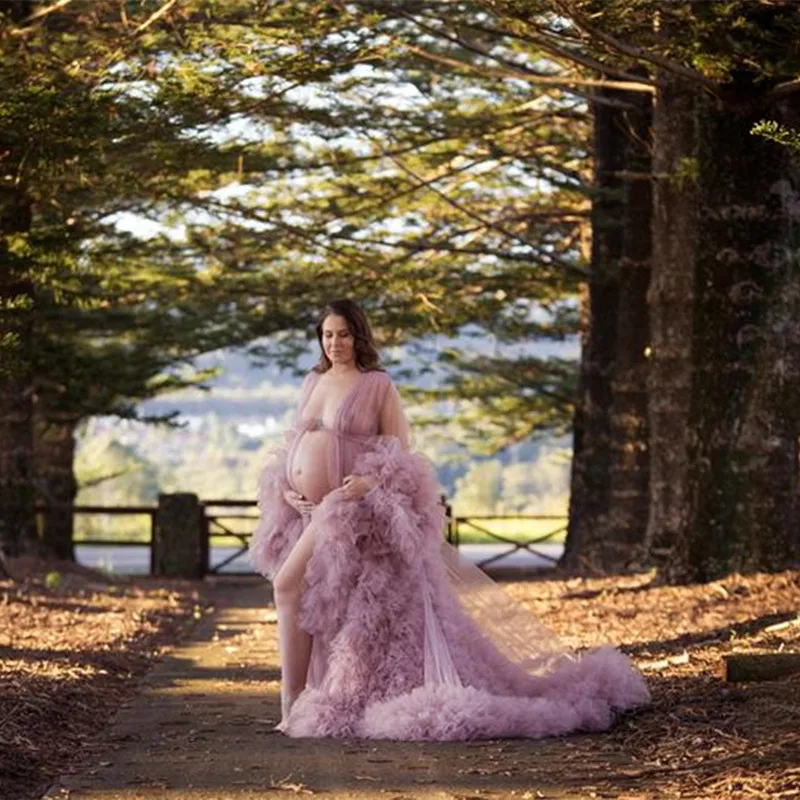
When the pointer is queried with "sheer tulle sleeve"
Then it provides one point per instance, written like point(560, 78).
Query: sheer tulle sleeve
point(393, 420)
point(406, 494)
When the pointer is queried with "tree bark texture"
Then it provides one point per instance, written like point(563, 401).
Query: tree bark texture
point(671, 304)
point(18, 532)
point(624, 540)
point(743, 469)
point(608, 498)
point(56, 486)
point(725, 307)
point(590, 485)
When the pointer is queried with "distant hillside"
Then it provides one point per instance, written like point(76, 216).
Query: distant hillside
point(246, 391)
point(227, 432)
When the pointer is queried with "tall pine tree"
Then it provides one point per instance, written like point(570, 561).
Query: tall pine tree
point(723, 376)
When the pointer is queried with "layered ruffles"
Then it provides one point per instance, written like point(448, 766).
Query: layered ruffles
point(401, 649)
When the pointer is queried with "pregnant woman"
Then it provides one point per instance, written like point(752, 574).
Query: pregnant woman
point(384, 631)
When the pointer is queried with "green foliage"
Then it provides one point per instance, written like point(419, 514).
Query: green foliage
point(103, 459)
point(711, 42)
point(479, 491)
point(780, 134)
point(535, 484)
point(52, 580)
point(433, 165)
point(293, 153)
point(498, 402)
point(686, 175)
point(110, 473)
point(538, 487)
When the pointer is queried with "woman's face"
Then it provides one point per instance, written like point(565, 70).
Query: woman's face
point(337, 341)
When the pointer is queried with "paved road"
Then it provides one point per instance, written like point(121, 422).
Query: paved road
point(201, 728)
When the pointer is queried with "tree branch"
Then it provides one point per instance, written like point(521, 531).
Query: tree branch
point(154, 17)
point(490, 225)
point(542, 41)
point(640, 54)
point(24, 25)
point(519, 74)
point(782, 90)
point(297, 230)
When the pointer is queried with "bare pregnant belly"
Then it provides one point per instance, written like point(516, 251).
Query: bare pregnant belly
point(309, 468)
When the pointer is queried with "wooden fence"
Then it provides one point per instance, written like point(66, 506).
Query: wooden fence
point(195, 525)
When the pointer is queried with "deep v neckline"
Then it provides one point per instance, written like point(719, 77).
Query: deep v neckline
point(345, 399)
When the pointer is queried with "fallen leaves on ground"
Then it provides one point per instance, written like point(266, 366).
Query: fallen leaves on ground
point(702, 737)
point(72, 644)
point(70, 656)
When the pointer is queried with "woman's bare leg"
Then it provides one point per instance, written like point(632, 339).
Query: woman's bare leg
point(294, 642)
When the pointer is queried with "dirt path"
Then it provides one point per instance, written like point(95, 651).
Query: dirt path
point(201, 727)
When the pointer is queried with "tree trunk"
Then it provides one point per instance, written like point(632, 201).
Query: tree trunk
point(56, 486)
point(609, 492)
point(17, 511)
point(725, 372)
point(590, 485)
point(671, 302)
point(17, 503)
point(744, 512)
point(624, 540)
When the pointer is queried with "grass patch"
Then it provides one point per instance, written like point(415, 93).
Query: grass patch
point(518, 529)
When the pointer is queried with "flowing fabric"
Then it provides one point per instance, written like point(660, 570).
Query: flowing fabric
point(410, 641)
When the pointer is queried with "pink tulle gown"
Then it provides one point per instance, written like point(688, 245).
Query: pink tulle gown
point(410, 642)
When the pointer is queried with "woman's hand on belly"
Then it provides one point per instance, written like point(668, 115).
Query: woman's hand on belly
point(298, 502)
point(354, 487)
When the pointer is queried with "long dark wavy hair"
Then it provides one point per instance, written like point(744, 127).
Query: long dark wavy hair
point(364, 349)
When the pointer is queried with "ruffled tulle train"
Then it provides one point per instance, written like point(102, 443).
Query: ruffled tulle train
point(412, 643)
